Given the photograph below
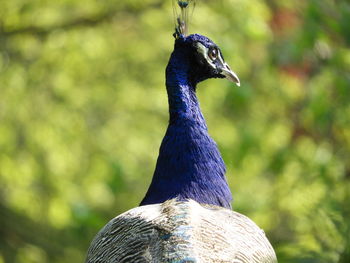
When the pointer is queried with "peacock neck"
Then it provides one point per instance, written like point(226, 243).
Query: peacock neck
point(189, 164)
point(181, 89)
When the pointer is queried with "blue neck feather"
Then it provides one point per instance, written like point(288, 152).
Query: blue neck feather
point(189, 164)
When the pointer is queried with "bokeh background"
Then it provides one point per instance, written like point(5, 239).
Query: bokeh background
point(83, 110)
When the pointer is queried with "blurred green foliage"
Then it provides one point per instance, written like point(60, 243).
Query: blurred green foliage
point(83, 110)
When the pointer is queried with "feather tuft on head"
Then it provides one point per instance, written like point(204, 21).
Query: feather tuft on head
point(182, 12)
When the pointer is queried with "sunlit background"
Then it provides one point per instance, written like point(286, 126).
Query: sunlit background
point(83, 110)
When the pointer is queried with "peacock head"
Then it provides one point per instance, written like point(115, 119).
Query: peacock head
point(205, 59)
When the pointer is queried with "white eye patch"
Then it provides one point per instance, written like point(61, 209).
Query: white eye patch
point(205, 52)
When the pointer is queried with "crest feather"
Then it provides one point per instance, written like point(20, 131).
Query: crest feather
point(182, 12)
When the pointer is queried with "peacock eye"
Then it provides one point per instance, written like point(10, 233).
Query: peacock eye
point(213, 53)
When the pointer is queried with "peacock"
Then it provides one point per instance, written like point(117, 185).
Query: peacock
point(186, 213)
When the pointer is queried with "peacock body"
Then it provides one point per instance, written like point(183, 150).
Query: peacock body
point(186, 213)
point(181, 232)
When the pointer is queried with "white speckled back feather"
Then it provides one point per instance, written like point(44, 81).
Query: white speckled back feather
point(180, 232)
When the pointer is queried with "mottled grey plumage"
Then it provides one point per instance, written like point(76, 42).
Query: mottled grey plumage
point(177, 232)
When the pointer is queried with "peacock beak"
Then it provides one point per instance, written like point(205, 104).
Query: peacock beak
point(229, 74)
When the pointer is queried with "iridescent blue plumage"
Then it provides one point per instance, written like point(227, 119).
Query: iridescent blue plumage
point(189, 165)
